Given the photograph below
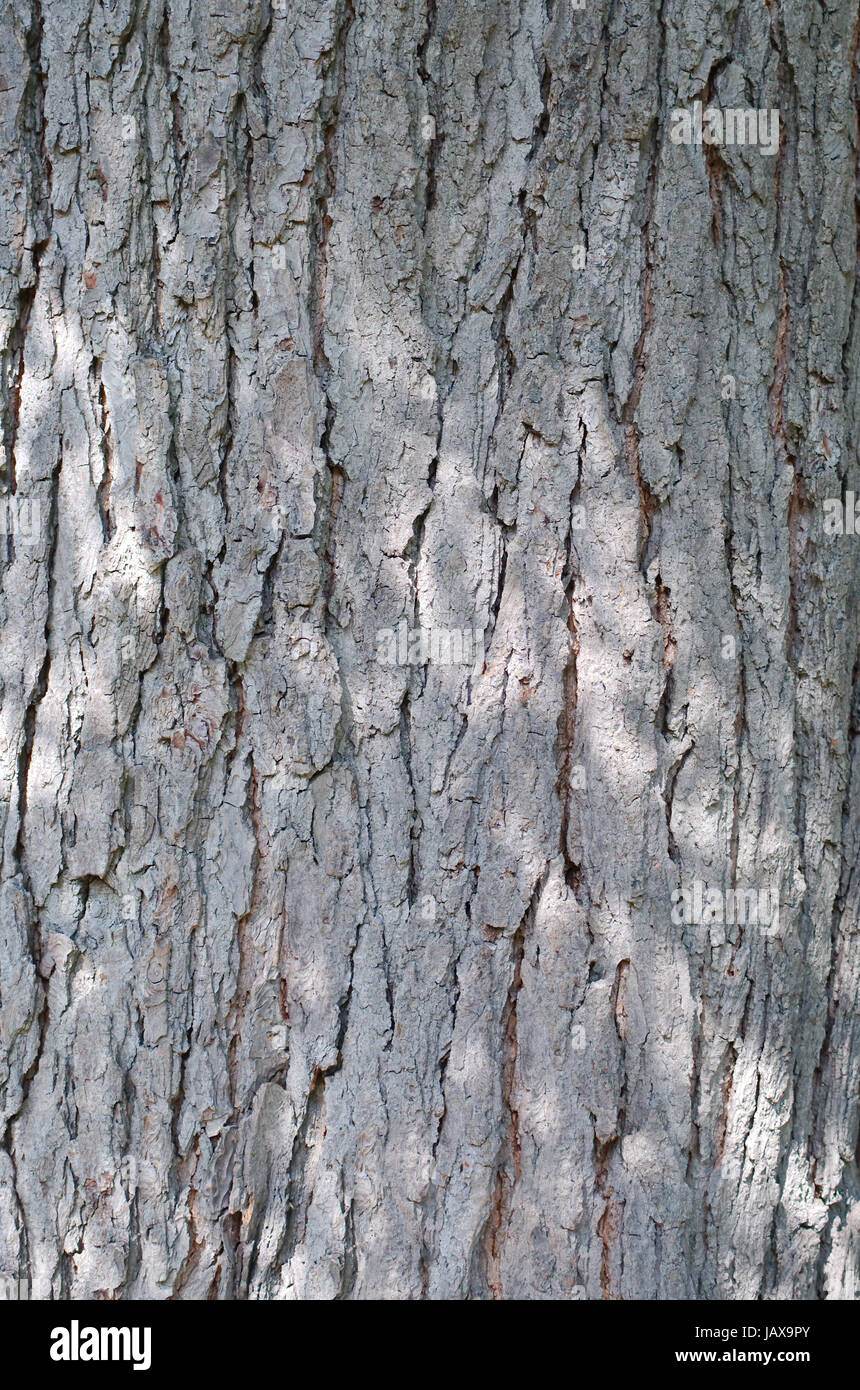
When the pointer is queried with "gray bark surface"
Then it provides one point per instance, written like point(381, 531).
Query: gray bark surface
point(322, 977)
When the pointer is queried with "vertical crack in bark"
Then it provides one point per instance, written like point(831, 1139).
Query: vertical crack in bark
point(434, 110)
point(299, 1198)
point(107, 447)
point(798, 502)
point(610, 1221)
point(508, 1171)
point(663, 614)
point(299, 1195)
point(506, 360)
point(197, 1244)
point(13, 373)
point(669, 799)
point(713, 161)
point(429, 1201)
point(178, 142)
point(37, 694)
point(349, 1271)
point(527, 197)
point(34, 929)
point(246, 972)
point(321, 224)
point(41, 196)
point(648, 503)
point(566, 724)
point(723, 1122)
point(739, 731)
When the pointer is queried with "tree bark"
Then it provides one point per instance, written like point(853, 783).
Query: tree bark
point(332, 966)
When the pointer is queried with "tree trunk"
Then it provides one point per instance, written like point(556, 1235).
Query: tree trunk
point(430, 707)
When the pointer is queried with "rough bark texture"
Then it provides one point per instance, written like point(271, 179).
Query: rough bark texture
point(327, 978)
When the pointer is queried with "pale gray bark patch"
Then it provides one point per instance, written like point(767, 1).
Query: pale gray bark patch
point(327, 978)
